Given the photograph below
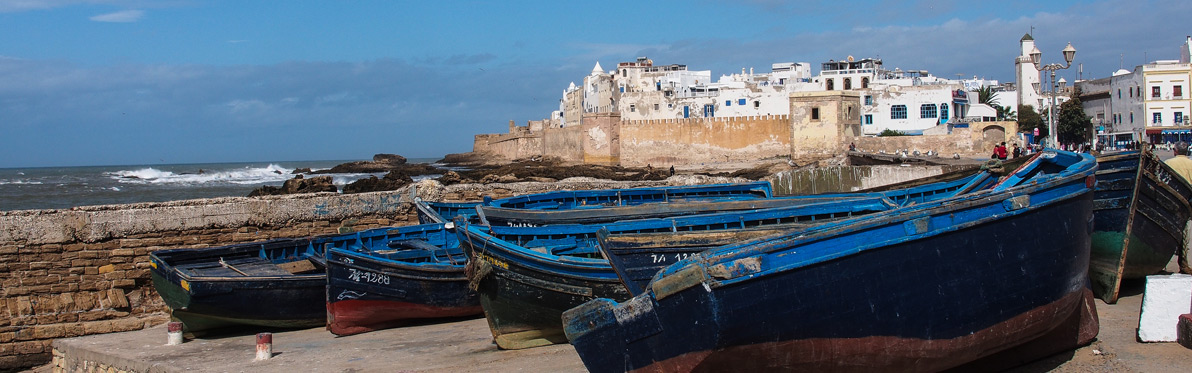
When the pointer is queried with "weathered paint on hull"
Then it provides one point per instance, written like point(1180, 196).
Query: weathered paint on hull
point(865, 353)
point(348, 317)
point(524, 315)
point(911, 305)
point(1136, 238)
point(366, 292)
point(213, 306)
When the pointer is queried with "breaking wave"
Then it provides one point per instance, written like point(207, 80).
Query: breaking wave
point(247, 175)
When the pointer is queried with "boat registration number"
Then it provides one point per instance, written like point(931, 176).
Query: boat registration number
point(366, 276)
point(663, 258)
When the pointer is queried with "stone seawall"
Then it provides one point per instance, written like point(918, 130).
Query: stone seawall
point(85, 270)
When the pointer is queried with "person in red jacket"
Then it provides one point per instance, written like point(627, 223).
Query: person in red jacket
point(999, 151)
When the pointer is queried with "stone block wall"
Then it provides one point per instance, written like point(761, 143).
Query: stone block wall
point(83, 271)
point(698, 140)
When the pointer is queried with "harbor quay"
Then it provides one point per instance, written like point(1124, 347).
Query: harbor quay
point(466, 346)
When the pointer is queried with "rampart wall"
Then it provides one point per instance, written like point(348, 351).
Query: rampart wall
point(697, 140)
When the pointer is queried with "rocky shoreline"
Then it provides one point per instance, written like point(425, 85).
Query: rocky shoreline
point(479, 169)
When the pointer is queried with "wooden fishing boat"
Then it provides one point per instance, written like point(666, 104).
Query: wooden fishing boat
point(389, 276)
point(527, 276)
point(587, 200)
point(278, 283)
point(924, 287)
point(496, 215)
point(1141, 209)
point(443, 212)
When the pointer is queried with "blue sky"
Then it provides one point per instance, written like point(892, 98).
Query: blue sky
point(112, 82)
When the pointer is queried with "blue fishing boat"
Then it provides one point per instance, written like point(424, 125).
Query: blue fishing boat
point(389, 276)
point(277, 283)
point(589, 200)
point(442, 212)
point(527, 276)
point(1141, 208)
point(911, 192)
point(924, 287)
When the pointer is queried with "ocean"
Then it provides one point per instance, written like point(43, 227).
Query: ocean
point(65, 187)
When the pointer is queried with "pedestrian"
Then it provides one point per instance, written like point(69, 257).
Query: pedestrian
point(999, 151)
point(1017, 151)
point(1180, 162)
point(672, 170)
point(852, 147)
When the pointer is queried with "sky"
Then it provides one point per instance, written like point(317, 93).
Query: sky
point(124, 82)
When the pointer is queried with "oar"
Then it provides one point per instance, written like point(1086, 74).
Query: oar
point(229, 266)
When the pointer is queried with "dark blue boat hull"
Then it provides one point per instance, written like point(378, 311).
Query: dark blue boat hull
point(942, 296)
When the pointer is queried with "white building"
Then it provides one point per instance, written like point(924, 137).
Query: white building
point(1151, 102)
point(909, 101)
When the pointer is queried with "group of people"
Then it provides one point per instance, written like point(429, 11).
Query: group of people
point(1000, 151)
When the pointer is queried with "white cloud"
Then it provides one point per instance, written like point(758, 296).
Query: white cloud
point(123, 16)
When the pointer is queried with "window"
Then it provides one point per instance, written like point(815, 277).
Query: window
point(709, 111)
point(1119, 93)
point(927, 111)
point(831, 85)
point(622, 89)
point(757, 104)
point(848, 83)
point(728, 102)
point(864, 82)
point(868, 118)
point(655, 106)
point(1157, 118)
point(869, 100)
point(1177, 91)
point(814, 113)
point(1155, 92)
point(898, 112)
point(1179, 117)
point(943, 113)
point(686, 111)
point(632, 108)
point(1131, 117)
point(741, 102)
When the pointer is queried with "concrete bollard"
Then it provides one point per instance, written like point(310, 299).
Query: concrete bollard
point(174, 330)
point(264, 346)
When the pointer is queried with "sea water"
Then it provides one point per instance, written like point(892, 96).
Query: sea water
point(65, 187)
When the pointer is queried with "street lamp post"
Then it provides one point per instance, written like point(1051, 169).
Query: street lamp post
point(1036, 58)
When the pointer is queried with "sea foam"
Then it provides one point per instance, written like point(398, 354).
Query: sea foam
point(247, 175)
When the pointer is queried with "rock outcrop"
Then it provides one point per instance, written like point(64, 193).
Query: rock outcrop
point(298, 184)
point(393, 180)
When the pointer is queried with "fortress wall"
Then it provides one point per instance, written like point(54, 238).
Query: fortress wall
point(698, 140)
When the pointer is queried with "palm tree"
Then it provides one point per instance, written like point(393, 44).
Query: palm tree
point(986, 95)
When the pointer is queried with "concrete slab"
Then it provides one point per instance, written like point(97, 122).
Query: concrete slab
point(1165, 299)
point(460, 346)
point(465, 346)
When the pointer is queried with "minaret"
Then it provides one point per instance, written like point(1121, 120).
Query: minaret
point(1026, 75)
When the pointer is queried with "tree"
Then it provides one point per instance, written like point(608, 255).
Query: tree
point(890, 132)
point(1005, 113)
point(1029, 120)
point(1072, 125)
point(986, 95)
